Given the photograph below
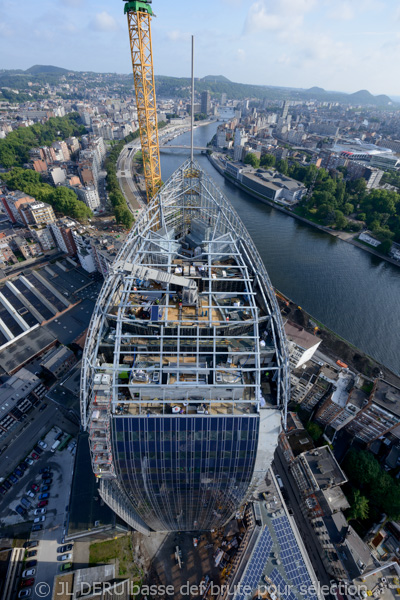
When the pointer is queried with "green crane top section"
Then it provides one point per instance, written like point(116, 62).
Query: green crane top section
point(138, 6)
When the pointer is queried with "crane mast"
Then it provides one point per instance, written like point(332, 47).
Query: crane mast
point(139, 15)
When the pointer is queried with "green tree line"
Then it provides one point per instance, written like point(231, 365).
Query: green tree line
point(334, 199)
point(62, 199)
point(373, 489)
point(121, 211)
point(14, 149)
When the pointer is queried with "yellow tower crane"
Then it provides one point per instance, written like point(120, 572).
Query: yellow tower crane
point(139, 15)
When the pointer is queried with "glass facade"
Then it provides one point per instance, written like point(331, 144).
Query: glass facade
point(185, 473)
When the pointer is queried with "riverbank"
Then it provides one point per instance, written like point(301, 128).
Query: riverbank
point(342, 235)
point(335, 347)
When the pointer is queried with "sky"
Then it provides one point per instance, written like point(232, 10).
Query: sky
point(343, 45)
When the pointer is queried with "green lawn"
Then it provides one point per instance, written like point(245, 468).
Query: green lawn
point(119, 548)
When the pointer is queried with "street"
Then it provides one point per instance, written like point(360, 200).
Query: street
point(305, 528)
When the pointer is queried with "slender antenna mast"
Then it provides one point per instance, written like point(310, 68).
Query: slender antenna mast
point(192, 108)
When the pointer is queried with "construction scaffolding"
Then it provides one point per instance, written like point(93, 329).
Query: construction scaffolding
point(186, 326)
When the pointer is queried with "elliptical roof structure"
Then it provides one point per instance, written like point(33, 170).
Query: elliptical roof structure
point(185, 370)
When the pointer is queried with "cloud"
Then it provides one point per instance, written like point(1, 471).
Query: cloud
point(267, 15)
point(104, 22)
point(342, 12)
point(178, 36)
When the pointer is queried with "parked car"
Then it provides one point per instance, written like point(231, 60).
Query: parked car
point(64, 557)
point(7, 484)
point(29, 460)
point(48, 481)
point(66, 567)
point(18, 472)
point(3, 490)
point(45, 488)
point(43, 496)
point(31, 553)
point(20, 510)
point(44, 470)
point(42, 444)
point(47, 475)
point(31, 563)
point(37, 527)
point(25, 502)
point(39, 519)
point(42, 503)
point(30, 494)
point(65, 548)
point(39, 511)
point(25, 593)
point(38, 450)
point(31, 544)
point(23, 466)
point(35, 487)
point(28, 582)
point(35, 456)
point(13, 478)
point(28, 573)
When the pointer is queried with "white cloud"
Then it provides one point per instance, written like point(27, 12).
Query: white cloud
point(104, 22)
point(267, 15)
point(342, 12)
point(178, 36)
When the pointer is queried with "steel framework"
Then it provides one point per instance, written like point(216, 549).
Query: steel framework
point(187, 320)
point(139, 23)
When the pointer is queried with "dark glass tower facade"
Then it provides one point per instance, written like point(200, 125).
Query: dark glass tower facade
point(185, 369)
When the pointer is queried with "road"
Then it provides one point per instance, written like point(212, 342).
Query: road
point(305, 528)
point(124, 163)
point(21, 441)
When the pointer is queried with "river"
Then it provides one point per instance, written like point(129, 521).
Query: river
point(352, 292)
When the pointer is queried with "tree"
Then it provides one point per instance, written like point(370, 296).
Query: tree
point(348, 208)
point(282, 166)
point(385, 246)
point(251, 159)
point(340, 220)
point(359, 506)
point(314, 430)
point(267, 160)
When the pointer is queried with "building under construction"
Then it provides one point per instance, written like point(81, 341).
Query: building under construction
point(185, 370)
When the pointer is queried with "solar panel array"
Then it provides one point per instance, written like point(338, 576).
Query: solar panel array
point(290, 554)
point(256, 564)
point(283, 588)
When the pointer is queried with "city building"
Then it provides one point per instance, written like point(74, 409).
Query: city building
point(42, 234)
point(18, 396)
point(302, 345)
point(184, 384)
point(89, 195)
point(379, 416)
point(37, 213)
point(319, 479)
point(206, 103)
point(63, 238)
point(12, 203)
point(58, 362)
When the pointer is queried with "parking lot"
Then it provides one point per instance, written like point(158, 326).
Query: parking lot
point(56, 504)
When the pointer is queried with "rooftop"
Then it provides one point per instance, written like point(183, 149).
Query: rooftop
point(387, 396)
point(323, 467)
point(299, 336)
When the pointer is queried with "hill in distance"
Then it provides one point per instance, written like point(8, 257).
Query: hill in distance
point(46, 69)
point(216, 79)
point(216, 84)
